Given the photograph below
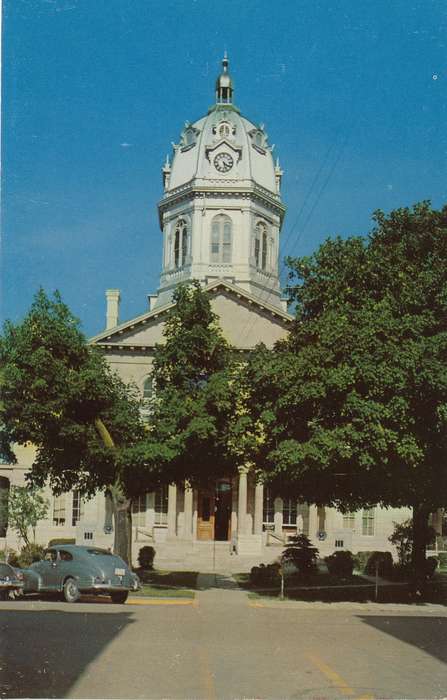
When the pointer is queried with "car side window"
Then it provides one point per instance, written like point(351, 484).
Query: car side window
point(65, 556)
point(50, 555)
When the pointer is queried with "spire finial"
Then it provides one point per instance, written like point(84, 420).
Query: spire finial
point(224, 84)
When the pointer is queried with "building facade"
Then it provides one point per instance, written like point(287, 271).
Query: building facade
point(220, 217)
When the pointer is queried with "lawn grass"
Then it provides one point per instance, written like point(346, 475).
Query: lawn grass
point(313, 580)
point(329, 588)
point(167, 584)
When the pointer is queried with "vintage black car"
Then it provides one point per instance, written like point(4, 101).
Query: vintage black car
point(71, 570)
point(11, 581)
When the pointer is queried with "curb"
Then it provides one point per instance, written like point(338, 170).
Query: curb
point(161, 601)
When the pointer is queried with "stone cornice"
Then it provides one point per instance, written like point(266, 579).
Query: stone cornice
point(218, 189)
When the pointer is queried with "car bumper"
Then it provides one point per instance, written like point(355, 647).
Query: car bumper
point(10, 585)
point(107, 588)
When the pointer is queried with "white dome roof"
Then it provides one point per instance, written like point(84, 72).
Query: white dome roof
point(224, 130)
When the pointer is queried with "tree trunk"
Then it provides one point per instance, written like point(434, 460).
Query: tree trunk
point(420, 526)
point(122, 520)
point(121, 506)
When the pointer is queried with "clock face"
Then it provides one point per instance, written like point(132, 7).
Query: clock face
point(223, 162)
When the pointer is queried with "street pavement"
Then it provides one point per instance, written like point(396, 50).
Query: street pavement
point(222, 645)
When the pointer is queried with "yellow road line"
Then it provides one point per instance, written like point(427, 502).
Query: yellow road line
point(207, 676)
point(335, 678)
point(160, 601)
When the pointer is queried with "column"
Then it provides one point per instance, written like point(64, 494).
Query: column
point(242, 501)
point(278, 516)
point(313, 523)
point(259, 502)
point(172, 510)
point(150, 511)
point(188, 512)
point(321, 519)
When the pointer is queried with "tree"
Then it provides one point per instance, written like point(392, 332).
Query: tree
point(354, 402)
point(194, 419)
point(24, 508)
point(59, 394)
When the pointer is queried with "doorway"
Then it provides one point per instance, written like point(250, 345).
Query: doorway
point(214, 512)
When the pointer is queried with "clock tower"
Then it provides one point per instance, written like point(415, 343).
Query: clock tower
point(221, 211)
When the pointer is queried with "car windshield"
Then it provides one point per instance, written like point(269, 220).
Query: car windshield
point(100, 552)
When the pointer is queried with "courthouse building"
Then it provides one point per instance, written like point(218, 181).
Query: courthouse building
point(220, 217)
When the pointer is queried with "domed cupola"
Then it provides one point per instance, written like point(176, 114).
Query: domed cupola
point(221, 211)
point(224, 84)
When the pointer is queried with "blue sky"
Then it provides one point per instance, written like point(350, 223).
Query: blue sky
point(353, 94)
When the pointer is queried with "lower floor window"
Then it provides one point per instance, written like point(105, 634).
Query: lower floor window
point(268, 510)
point(161, 505)
point(59, 510)
point(289, 511)
point(368, 521)
point(139, 511)
point(77, 510)
point(349, 521)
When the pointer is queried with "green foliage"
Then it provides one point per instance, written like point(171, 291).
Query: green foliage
point(402, 538)
point(194, 430)
point(340, 563)
point(380, 562)
point(54, 389)
point(354, 402)
point(30, 553)
point(300, 552)
point(13, 558)
point(146, 557)
point(442, 558)
point(361, 560)
point(266, 575)
point(23, 509)
point(431, 565)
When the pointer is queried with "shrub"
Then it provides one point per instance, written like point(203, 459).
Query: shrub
point(340, 563)
point(265, 575)
point(146, 557)
point(301, 553)
point(361, 560)
point(402, 538)
point(431, 564)
point(62, 540)
point(6, 553)
point(31, 553)
point(13, 558)
point(442, 558)
point(382, 562)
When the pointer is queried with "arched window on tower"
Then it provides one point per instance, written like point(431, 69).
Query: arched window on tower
point(261, 246)
point(180, 243)
point(221, 239)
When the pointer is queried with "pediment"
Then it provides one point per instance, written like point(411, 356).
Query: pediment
point(245, 321)
point(223, 145)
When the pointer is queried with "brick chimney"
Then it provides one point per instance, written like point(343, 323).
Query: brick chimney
point(113, 297)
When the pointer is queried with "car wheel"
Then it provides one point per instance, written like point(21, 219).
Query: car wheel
point(119, 596)
point(71, 591)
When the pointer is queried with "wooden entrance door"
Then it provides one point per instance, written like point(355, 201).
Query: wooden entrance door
point(205, 515)
point(214, 512)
